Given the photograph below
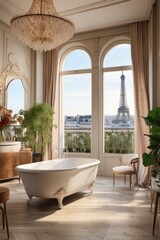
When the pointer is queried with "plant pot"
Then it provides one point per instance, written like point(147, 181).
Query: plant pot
point(36, 157)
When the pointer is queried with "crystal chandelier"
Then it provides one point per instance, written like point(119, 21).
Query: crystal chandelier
point(41, 28)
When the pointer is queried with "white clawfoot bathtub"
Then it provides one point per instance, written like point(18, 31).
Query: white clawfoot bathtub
point(58, 178)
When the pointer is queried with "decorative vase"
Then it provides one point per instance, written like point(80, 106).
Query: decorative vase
point(2, 138)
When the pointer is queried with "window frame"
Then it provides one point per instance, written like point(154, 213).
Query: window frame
point(97, 50)
point(105, 70)
point(63, 73)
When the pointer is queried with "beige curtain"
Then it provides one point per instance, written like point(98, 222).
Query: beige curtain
point(139, 51)
point(50, 65)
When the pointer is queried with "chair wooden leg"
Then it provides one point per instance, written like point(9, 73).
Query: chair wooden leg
point(152, 199)
point(2, 216)
point(155, 212)
point(137, 181)
point(125, 179)
point(130, 180)
point(113, 179)
point(6, 218)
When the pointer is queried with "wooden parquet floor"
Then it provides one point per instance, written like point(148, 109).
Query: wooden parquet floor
point(106, 214)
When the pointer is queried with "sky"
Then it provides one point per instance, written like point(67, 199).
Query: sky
point(77, 95)
point(15, 95)
point(77, 88)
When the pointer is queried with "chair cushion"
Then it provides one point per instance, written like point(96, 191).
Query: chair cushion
point(123, 169)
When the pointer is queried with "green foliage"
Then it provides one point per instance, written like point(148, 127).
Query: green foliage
point(153, 157)
point(153, 118)
point(78, 142)
point(119, 142)
point(115, 142)
point(38, 121)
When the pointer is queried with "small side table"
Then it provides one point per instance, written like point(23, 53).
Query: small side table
point(155, 187)
point(4, 197)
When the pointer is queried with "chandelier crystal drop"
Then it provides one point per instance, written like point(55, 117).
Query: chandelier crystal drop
point(41, 28)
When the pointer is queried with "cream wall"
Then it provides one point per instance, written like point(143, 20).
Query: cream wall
point(30, 66)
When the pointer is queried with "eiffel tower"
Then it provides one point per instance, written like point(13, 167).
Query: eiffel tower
point(123, 114)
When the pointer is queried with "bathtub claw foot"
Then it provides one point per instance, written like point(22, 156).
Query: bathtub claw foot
point(60, 194)
point(60, 204)
point(30, 198)
point(90, 187)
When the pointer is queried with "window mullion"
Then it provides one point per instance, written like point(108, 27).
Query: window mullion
point(119, 68)
point(72, 72)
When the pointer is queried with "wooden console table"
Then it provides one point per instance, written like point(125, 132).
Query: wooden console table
point(9, 161)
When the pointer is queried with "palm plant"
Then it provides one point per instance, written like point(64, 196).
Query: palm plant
point(153, 157)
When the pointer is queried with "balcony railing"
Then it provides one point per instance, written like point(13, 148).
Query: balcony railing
point(116, 140)
point(119, 140)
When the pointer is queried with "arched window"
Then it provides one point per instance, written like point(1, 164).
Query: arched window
point(15, 95)
point(118, 107)
point(76, 100)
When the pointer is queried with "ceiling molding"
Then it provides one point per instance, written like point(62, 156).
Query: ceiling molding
point(135, 10)
point(15, 7)
point(149, 7)
point(6, 10)
point(92, 6)
point(10, 8)
point(111, 31)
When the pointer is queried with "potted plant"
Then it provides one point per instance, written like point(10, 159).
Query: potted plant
point(152, 158)
point(38, 122)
